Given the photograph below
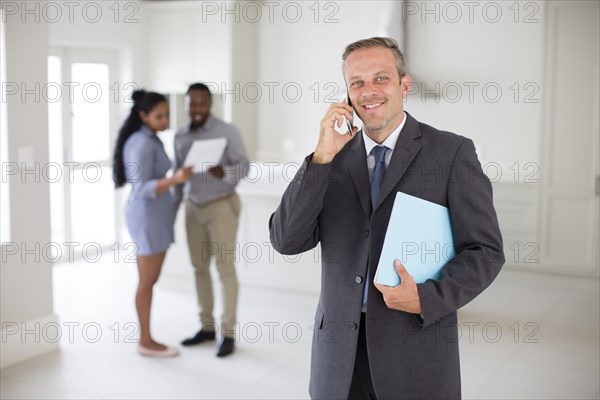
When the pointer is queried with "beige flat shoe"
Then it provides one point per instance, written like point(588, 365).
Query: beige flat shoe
point(168, 352)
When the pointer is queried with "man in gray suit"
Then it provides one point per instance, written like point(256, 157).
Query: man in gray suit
point(372, 341)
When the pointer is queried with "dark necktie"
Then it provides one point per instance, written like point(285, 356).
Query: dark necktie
point(378, 172)
point(376, 179)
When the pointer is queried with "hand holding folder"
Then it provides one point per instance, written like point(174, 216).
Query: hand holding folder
point(419, 234)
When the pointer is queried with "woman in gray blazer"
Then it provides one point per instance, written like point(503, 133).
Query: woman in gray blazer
point(140, 159)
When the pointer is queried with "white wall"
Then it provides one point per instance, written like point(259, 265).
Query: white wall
point(191, 42)
point(479, 53)
point(183, 48)
point(128, 36)
point(26, 276)
point(449, 54)
point(307, 55)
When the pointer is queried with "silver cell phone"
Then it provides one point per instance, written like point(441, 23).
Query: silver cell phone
point(349, 123)
point(345, 124)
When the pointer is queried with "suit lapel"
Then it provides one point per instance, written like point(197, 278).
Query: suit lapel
point(404, 153)
point(357, 165)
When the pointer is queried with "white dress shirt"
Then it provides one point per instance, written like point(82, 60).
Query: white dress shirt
point(390, 143)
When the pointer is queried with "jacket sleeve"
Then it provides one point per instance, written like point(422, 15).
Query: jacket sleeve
point(294, 226)
point(477, 240)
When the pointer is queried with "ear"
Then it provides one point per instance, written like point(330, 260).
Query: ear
point(143, 116)
point(405, 83)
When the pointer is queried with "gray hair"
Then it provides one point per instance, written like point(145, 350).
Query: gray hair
point(385, 42)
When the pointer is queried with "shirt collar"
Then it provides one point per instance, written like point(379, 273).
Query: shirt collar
point(390, 142)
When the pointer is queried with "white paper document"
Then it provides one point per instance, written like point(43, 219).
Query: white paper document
point(205, 154)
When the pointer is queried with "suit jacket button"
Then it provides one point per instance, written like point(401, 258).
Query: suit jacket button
point(353, 326)
point(367, 233)
point(358, 279)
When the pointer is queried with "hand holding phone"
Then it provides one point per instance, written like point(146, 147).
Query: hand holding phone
point(332, 136)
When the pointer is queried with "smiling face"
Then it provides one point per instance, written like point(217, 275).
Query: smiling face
point(199, 103)
point(376, 90)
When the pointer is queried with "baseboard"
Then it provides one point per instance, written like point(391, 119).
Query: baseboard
point(22, 341)
point(550, 269)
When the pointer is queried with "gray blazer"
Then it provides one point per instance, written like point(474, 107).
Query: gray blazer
point(410, 356)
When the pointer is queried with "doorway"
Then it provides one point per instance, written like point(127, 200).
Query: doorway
point(82, 110)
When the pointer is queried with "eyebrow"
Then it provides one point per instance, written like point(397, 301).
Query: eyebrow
point(376, 74)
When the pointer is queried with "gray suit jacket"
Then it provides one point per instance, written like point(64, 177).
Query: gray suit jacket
point(411, 357)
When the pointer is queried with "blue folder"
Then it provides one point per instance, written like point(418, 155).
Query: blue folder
point(419, 234)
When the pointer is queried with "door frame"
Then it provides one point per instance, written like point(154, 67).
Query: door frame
point(69, 55)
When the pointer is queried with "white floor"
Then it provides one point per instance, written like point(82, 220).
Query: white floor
point(528, 336)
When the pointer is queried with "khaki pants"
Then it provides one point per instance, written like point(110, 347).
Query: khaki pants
point(211, 232)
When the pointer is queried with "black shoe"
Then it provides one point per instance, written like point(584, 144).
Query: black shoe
point(201, 336)
point(226, 347)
